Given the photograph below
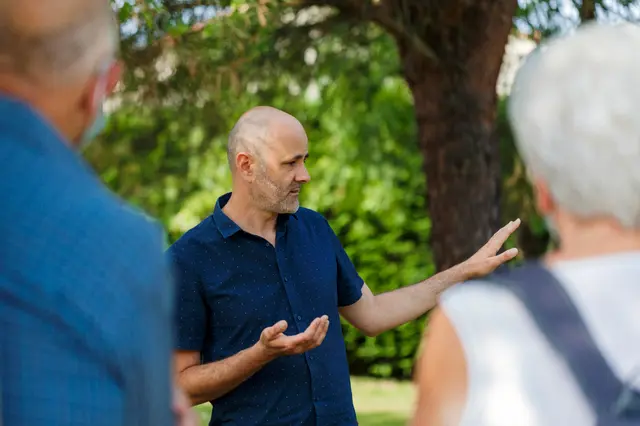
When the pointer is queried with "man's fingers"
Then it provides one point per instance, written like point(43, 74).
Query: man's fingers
point(503, 234)
point(322, 332)
point(503, 257)
point(311, 330)
point(303, 338)
point(305, 341)
point(500, 237)
point(509, 254)
point(276, 329)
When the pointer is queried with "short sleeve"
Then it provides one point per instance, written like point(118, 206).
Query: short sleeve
point(349, 281)
point(190, 309)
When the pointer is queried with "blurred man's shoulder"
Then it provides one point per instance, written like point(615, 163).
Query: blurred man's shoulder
point(111, 245)
point(128, 271)
point(201, 234)
point(92, 259)
point(125, 232)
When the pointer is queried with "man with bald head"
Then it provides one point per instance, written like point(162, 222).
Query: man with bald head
point(85, 302)
point(262, 283)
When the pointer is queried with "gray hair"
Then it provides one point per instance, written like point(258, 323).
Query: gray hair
point(574, 111)
point(57, 53)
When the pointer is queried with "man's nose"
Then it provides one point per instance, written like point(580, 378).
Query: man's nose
point(303, 175)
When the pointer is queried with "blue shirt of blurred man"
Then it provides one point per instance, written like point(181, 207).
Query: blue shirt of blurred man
point(85, 302)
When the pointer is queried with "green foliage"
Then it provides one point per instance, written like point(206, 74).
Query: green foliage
point(186, 84)
point(169, 158)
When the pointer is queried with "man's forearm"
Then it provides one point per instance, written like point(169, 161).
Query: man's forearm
point(210, 381)
point(405, 304)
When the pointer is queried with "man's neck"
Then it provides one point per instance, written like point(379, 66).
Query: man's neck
point(49, 104)
point(248, 217)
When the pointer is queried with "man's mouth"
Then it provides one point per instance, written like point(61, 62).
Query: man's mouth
point(295, 191)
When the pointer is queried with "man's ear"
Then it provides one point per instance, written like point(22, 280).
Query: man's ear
point(245, 166)
point(101, 86)
point(92, 96)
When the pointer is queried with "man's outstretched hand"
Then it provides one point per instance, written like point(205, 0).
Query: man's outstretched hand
point(486, 260)
point(274, 343)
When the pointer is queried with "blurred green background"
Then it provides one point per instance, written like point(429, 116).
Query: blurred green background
point(405, 113)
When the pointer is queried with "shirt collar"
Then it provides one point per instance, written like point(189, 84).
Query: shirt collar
point(225, 225)
point(228, 227)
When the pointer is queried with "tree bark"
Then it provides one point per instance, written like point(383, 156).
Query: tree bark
point(456, 105)
point(587, 11)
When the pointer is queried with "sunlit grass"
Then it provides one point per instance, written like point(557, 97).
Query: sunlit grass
point(377, 402)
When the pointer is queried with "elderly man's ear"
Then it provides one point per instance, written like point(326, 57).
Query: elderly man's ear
point(542, 196)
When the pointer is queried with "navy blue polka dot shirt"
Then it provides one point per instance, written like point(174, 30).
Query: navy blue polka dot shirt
point(231, 285)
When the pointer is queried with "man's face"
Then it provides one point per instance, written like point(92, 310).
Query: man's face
point(281, 171)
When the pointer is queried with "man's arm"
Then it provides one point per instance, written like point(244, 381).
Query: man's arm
point(207, 382)
point(374, 314)
point(210, 381)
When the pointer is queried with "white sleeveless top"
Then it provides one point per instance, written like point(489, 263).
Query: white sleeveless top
point(514, 376)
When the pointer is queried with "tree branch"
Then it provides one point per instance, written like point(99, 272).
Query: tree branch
point(377, 13)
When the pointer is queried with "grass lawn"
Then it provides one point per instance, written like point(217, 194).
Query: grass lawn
point(377, 402)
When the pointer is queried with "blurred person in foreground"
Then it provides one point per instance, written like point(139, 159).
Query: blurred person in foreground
point(557, 341)
point(261, 285)
point(85, 302)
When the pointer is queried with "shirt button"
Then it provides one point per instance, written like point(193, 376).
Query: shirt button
point(299, 318)
point(286, 279)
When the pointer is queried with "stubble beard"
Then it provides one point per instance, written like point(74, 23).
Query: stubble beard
point(274, 198)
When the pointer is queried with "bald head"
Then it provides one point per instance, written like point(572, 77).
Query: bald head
point(260, 128)
point(267, 152)
point(55, 41)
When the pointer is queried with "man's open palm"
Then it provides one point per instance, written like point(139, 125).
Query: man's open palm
point(276, 343)
point(486, 260)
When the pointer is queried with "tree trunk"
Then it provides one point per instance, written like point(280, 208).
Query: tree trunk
point(587, 11)
point(456, 105)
